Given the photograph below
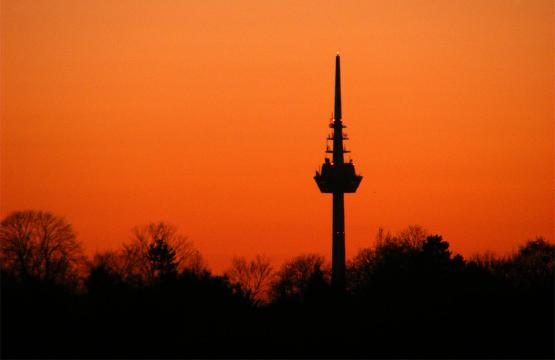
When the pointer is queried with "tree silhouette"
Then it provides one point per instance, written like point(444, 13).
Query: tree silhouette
point(300, 278)
point(532, 265)
point(104, 272)
point(39, 245)
point(409, 263)
point(436, 248)
point(412, 236)
point(162, 260)
point(408, 296)
point(254, 277)
point(141, 262)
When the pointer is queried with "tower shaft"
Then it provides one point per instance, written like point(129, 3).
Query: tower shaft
point(338, 242)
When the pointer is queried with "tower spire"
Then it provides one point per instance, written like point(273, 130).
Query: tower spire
point(337, 107)
point(337, 124)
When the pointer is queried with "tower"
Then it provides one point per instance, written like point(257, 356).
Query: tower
point(337, 177)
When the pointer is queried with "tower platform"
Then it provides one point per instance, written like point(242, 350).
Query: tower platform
point(337, 178)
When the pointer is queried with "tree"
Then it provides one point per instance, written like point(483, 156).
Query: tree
point(104, 272)
point(413, 236)
point(436, 248)
point(254, 277)
point(405, 261)
point(162, 259)
point(142, 258)
point(40, 245)
point(302, 278)
point(532, 265)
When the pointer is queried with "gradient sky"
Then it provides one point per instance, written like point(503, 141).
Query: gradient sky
point(212, 115)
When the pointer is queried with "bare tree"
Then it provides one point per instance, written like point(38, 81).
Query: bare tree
point(413, 236)
point(39, 245)
point(254, 277)
point(137, 257)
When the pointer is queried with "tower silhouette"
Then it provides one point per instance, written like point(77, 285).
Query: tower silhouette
point(337, 177)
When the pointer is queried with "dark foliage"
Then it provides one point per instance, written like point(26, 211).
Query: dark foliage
point(304, 279)
point(408, 297)
point(162, 260)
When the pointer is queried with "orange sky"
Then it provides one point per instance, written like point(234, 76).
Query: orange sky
point(212, 115)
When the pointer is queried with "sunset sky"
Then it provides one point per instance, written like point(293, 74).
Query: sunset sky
point(212, 115)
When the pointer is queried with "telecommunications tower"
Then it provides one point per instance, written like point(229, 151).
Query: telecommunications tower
point(337, 177)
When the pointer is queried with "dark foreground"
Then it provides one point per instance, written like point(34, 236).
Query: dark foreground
point(398, 305)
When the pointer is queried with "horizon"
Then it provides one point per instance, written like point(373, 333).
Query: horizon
point(214, 118)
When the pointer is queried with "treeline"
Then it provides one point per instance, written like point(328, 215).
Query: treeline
point(407, 296)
